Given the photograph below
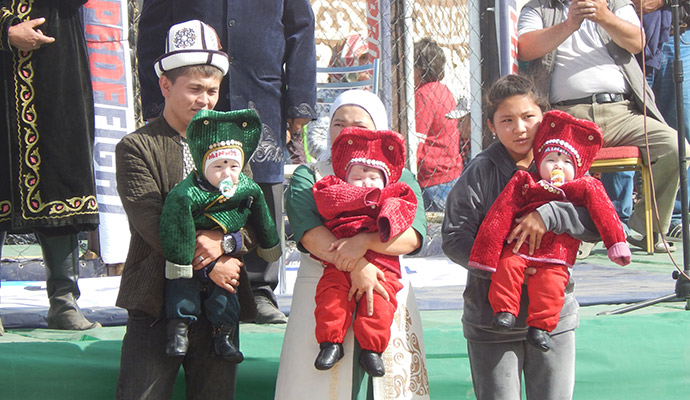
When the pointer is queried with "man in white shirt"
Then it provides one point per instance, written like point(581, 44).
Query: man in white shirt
point(581, 52)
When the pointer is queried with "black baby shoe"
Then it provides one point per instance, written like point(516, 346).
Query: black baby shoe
point(329, 354)
point(539, 338)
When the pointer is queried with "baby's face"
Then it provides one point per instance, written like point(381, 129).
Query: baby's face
point(221, 169)
point(363, 176)
point(557, 161)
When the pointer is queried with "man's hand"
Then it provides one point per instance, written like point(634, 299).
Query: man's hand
point(528, 226)
point(578, 11)
point(623, 33)
point(365, 280)
point(597, 11)
point(538, 43)
point(208, 248)
point(647, 6)
point(26, 36)
point(295, 124)
point(226, 273)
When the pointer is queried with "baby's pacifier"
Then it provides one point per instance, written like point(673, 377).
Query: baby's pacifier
point(227, 187)
point(557, 177)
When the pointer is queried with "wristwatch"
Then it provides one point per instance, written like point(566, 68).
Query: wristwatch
point(229, 244)
point(232, 243)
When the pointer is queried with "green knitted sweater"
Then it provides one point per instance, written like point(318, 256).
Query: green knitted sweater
point(189, 207)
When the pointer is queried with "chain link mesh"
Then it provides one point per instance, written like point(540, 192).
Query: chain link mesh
point(134, 10)
point(22, 259)
point(20, 247)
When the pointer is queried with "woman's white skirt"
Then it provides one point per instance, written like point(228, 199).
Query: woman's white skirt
point(406, 375)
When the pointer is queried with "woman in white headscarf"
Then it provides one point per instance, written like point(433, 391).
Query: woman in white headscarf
point(406, 376)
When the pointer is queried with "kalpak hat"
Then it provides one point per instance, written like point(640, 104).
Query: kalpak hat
point(191, 43)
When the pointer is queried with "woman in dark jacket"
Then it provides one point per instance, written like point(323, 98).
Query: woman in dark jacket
point(499, 359)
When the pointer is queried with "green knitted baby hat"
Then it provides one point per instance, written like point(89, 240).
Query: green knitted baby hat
point(218, 134)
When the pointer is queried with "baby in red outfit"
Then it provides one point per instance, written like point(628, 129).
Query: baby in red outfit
point(364, 195)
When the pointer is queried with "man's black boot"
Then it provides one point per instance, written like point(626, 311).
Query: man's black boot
point(61, 259)
point(267, 312)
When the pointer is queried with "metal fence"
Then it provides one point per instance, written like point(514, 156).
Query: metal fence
point(341, 36)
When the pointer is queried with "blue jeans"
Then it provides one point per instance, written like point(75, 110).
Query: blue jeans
point(664, 89)
point(619, 187)
point(435, 196)
point(183, 301)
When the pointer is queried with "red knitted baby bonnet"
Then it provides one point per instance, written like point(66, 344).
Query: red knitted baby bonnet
point(384, 150)
point(578, 138)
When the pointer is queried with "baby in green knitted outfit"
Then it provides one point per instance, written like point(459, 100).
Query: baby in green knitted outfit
point(216, 195)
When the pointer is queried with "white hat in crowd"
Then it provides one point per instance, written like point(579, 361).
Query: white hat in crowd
point(191, 43)
point(366, 100)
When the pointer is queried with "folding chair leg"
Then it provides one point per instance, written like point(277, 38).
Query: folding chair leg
point(649, 225)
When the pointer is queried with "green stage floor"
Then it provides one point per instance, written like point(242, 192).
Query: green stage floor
point(640, 355)
point(644, 354)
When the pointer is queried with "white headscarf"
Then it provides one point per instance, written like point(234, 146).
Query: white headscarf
point(364, 99)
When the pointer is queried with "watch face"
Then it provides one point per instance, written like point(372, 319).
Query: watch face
point(228, 243)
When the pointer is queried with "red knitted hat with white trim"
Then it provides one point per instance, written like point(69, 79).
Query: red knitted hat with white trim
point(384, 150)
point(578, 138)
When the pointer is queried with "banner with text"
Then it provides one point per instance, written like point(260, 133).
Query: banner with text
point(106, 29)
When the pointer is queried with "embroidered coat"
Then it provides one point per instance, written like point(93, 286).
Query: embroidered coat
point(272, 64)
point(46, 145)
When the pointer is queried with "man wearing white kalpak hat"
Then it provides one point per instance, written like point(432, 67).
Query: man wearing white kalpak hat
point(150, 162)
point(272, 70)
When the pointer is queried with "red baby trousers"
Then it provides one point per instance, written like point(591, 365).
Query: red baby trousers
point(546, 289)
point(333, 312)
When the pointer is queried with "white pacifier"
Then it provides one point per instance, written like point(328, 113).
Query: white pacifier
point(227, 187)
